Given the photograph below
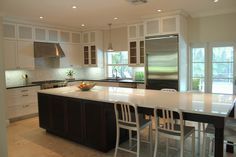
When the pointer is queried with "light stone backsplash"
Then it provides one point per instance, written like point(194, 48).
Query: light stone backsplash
point(15, 77)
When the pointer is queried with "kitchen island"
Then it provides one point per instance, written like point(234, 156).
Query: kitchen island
point(88, 117)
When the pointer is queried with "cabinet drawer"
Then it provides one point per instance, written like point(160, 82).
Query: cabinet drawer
point(21, 110)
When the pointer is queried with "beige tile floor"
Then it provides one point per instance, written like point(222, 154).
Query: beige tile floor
point(26, 139)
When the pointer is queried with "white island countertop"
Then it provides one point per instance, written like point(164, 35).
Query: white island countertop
point(200, 103)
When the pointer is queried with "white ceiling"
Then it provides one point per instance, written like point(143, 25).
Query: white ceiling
point(98, 13)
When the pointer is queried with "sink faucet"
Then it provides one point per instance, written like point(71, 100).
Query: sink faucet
point(116, 77)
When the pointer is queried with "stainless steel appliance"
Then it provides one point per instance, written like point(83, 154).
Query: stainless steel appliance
point(162, 62)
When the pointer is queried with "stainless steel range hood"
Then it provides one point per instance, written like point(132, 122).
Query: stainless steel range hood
point(47, 55)
point(47, 50)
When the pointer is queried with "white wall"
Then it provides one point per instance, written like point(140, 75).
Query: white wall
point(213, 28)
point(119, 39)
point(3, 141)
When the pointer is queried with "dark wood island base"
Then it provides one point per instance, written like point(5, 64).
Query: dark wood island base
point(86, 122)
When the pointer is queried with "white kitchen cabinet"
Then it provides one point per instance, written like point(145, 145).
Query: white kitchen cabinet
point(162, 25)
point(135, 31)
point(93, 48)
point(136, 53)
point(89, 37)
point(18, 54)
point(136, 44)
point(25, 32)
point(9, 31)
point(52, 35)
point(76, 37)
point(10, 54)
point(40, 34)
point(73, 55)
point(21, 101)
point(25, 54)
point(65, 36)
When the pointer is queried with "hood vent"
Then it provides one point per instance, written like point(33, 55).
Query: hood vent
point(47, 50)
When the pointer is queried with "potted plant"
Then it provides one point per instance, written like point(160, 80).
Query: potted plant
point(70, 74)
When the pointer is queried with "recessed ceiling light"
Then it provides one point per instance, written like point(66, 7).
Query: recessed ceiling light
point(74, 7)
point(215, 1)
point(41, 17)
point(115, 18)
point(83, 25)
point(159, 10)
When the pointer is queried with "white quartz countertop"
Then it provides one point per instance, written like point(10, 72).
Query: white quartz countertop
point(201, 103)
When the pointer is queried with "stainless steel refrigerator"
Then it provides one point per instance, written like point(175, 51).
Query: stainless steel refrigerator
point(162, 68)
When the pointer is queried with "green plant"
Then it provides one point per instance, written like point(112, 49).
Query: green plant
point(195, 84)
point(70, 73)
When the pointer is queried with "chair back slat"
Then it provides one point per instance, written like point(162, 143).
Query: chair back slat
point(168, 116)
point(126, 113)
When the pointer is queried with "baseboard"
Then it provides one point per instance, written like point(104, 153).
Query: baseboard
point(23, 117)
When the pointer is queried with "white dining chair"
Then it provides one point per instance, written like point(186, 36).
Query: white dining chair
point(127, 117)
point(171, 130)
point(229, 135)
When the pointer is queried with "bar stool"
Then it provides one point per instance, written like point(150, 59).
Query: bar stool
point(127, 117)
point(171, 130)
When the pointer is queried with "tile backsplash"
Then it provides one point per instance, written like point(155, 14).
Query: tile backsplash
point(16, 77)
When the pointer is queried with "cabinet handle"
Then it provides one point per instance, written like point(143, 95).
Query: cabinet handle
point(25, 95)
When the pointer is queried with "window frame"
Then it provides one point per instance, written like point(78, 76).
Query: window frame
point(107, 64)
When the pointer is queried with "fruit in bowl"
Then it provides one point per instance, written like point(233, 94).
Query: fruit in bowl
point(85, 86)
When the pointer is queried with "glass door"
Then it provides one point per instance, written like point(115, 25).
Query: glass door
point(222, 69)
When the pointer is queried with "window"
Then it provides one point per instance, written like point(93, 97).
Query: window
point(212, 68)
point(117, 65)
point(198, 69)
point(222, 70)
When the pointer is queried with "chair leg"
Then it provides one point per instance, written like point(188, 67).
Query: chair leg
point(130, 138)
point(117, 140)
point(150, 138)
point(167, 147)
point(181, 147)
point(199, 138)
point(204, 142)
point(138, 143)
point(156, 143)
point(193, 144)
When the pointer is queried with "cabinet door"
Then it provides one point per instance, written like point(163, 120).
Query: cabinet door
point(9, 31)
point(25, 54)
point(10, 53)
point(25, 32)
point(132, 31)
point(53, 35)
point(132, 52)
point(75, 37)
point(72, 55)
point(94, 123)
point(141, 52)
point(85, 37)
point(44, 107)
point(86, 55)
point(75, 120)
point(58, 115)
point(140, 31)
point(64, 36)
point(93, 55)
point(169, 25)
point(92, 37)
point(152, 27)
point(40, 34)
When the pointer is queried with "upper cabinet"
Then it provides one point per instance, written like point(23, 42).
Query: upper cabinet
point(53, 35)
point(135, 31)
point(40, 34)
point(162, 25)
point(136, 44)
point(18, 54)
point(25, 32)
point(9, 31)
point(92, 48)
